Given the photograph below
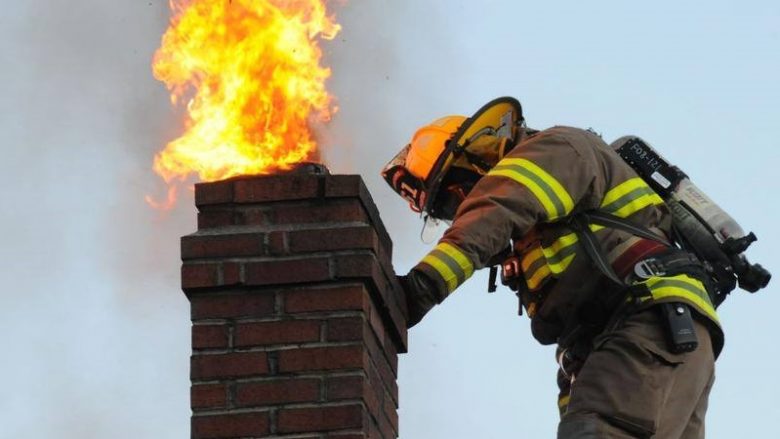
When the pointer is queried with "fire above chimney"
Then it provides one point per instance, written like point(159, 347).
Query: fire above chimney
point(297, 316)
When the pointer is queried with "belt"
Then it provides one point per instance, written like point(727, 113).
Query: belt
point(670, 262)
point(642, 250)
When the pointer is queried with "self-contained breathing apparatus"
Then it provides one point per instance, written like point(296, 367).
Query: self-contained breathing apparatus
point(706, 240)
point(700, 226)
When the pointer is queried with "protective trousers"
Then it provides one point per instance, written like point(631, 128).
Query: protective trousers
point(632, 386)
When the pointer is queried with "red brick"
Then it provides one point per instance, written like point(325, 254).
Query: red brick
point(199, 275)
point(277, 243)
point(379, 385)
point(353, 186)
point(275, 188)
point(342, 238)
point(231, 426)
point(220, 192)
point(252, 217)
point(343, 298)
point(345, 329)
point(373, 430)
point(377, 325)
point(371, 397)
point(221, 246)
point(343, 185)
point(287, 271)
point(232, 365)
point(214, 219)
point(364, 266)
point(319, 419)
point(232, 306)
point(327, 358)
point(385, 371)
point(277, 392)
point(269, 333)
point(334, 211)
point(231, 274)
point(391, 353)
point(357, 265)
point(209, 336)
point(345, 387)
point(391, 412)
point(379, 342)
point(386, 428)
point(208, 396)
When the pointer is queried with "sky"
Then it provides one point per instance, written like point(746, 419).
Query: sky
point(96, 330)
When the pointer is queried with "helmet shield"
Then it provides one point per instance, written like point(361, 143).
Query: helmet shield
point(499, 118)
point(462, 148)
point(403, 182)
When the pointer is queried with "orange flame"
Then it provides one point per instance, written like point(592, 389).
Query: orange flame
point(251, 74)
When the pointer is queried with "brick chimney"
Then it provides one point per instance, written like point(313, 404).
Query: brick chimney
point(297, 316)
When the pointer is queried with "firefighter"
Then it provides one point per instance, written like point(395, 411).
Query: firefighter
point(517, 197)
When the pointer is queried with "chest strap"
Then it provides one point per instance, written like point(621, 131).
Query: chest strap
point(581, 222)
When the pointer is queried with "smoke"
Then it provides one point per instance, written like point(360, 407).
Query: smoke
point(96, 328)
point(91, 273)
point(97, 331)
point(378, 61)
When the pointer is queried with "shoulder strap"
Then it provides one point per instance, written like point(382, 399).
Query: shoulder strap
point(579, 223)
point(615, 222)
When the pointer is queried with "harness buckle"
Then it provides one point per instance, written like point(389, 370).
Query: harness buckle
point(648, 268)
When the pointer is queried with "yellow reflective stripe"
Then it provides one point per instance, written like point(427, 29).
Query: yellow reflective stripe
point(630, 197)
point(682, 286)
point(560, 244)
point(551, 194)
point(557, 187)
point(564, 401)
point(563, 265)
point(459, 257)
point(679, 278)
point(557, 258)
point(538, 192)
point(639, 204)
point(452, 265)
point(531, 257)
point(534, 266)
point(446, 273)
point(560, 254)
point(622, 189)
point(538, 276)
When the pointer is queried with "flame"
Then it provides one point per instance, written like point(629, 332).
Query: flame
point(250, 73)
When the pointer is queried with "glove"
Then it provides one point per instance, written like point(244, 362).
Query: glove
point(420, 296)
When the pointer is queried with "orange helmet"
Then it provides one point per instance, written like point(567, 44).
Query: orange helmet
point(471, 145)
point(429, 143)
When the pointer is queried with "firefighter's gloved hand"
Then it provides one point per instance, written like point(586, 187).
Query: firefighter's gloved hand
point(420, 296)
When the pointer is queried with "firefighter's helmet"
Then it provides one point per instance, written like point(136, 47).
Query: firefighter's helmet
point(445, 158)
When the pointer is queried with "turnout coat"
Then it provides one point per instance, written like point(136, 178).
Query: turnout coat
point(527, 198)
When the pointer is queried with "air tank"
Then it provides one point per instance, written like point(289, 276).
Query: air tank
point(673, 184)
point(706, 229)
